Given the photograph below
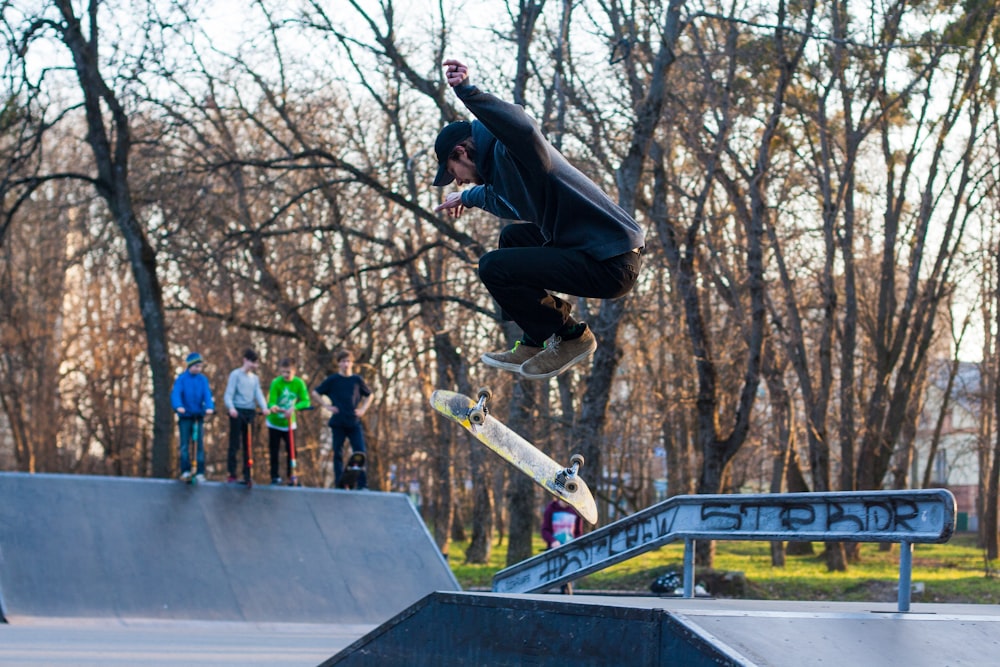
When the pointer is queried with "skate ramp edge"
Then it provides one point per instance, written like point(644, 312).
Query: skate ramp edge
point(489, 629)
point(106, 547)
point(496, 629)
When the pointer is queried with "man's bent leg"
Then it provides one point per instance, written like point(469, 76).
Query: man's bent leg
point(513, 277)
point(520, 280)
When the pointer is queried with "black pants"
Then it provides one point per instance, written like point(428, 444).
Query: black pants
point(522, 273)
point(340, 433)
point(274, 438)
point(239, 427)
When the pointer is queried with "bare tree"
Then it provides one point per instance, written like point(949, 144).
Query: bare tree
point(694, 270)
point(903, 323)
point(33, 273)
point(108, 133)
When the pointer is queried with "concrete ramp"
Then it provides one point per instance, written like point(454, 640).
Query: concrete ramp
point(493, 629)
point(487, 629)
point(77, 546)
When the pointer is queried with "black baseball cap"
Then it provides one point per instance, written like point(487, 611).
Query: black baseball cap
point(452, 135)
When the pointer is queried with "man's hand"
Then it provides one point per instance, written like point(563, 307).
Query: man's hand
point(452, 203)
point(455, 72)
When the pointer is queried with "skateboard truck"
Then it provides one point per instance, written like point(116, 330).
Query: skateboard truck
point(477, 413)
point(566, 478)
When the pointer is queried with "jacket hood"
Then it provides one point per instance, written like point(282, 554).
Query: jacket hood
point(485, 143)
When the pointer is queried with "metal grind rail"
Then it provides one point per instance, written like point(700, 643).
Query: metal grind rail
point(906, 517)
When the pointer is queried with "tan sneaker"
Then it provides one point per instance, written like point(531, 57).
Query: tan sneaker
point(511, 360)
point(558, 355)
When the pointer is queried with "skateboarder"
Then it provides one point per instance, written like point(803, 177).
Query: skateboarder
point(242, 395)
point(349, 398)
point(191, 399)
point(288, 394)
point(577, 241)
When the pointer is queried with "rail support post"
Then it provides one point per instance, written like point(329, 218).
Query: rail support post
point(905, 575)
point(689, 568)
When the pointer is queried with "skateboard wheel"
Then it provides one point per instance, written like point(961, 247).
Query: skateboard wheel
point(477, 417)
point(577, 460)
point(485, 393)
point(571, 487)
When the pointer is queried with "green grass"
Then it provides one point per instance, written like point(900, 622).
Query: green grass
point(952, 572)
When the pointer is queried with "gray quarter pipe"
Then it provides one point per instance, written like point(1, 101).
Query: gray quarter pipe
point(78, 546)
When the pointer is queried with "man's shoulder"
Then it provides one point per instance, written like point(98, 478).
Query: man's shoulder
point(327, 381)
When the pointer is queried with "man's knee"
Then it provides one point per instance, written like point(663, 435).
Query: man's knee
point(489, 267)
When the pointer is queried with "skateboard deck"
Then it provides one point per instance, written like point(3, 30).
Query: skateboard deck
point(558, 480)
point(352, 471)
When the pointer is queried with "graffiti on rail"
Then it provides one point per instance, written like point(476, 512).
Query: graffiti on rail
point(891, 515)
point(891, 518)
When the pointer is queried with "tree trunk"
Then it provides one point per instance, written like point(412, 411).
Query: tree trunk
point(990, 513)
point(796, 483)
point(521, 490)
point(482, 506)
point(112, 163)
point(449, 371)
point(783, 436)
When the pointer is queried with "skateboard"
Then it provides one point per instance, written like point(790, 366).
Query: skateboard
point(558, 480)
point(355, 466)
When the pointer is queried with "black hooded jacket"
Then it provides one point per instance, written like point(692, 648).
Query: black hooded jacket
point(526, 178)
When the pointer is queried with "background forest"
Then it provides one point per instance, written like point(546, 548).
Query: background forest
point(818, 183)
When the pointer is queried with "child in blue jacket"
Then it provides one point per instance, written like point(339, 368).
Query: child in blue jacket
point(192, 399)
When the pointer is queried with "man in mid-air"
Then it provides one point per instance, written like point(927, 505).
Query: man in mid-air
point(573, 239)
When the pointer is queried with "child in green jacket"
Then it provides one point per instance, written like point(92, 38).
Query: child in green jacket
point(289, 394)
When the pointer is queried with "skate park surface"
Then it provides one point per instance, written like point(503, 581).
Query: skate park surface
point(112, 571)
point(160, 570)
